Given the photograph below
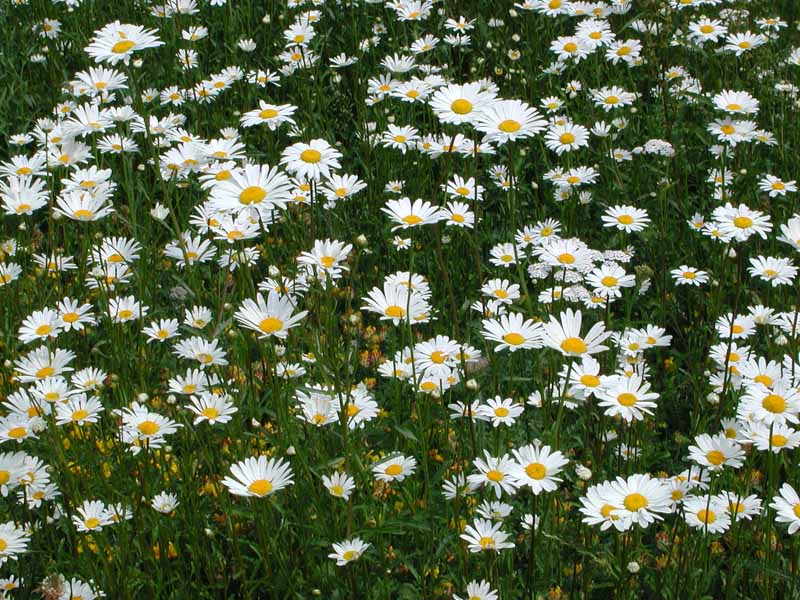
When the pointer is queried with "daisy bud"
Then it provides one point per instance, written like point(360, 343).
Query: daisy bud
point(354, 319)
point(290, 451)
point(171, 399)
point(227, 306)
point(316, 592)
point(22, 227)
point(57, 216)
point(362, 240)
point(137, 63)
point(633, 567)
point(583, 473)
point(472, 384)
point(512, 12)
point(712, 398)
point(7, 364)
point(731, 253)
point(140, 167)
point(515, 37)
point(274, 271)
point(266, 19)
point(142, 397)
point(781, 340)
point(255, 423)
point(743, 172)
point(208, 532)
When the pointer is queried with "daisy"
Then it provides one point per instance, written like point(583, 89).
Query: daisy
point(458, 104)
point(400, 138)
point(348, 551)
point(776, 271)
point(495, 472)
point(509, 120)
point(640, 499)
point(272, 317)
point(261, 187)
point(706, 513)
point(458, 214)
point(627, 397)
point(23, 195)
point(406, 214)
point(570, 48)
point(739, 43)
point(513, 332)
point(205, 352)
point(395, 468)
point(732, 132)
point(734, 102)
point(396, 303)
point(786, 504)
point(626, 218)
point(705, 29)
point(483, 535)
point(609, 279)
point(686, 275)
point(537, 467)
point(116, 42)
point(741, 222)
point(311, 161)
point(92, 516)
point(777, 404)
point(566, 137)
point(717, 452)
point(164, 502)
point(478, 591)
point(162, 330)
point(774, 186)
point(339, 485)
point(78, 409)
point(213, 408)
point(257, 477)
point(39, 326)
point(13, 541)
point(128, 308)
point(500, 411)
point(564, 334)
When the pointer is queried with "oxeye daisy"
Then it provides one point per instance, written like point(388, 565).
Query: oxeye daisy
point(270, 317)
point(496, 473)
point(639, 499)
point(311, 161)
point(78, 409)
point(458, 214)
point(406, 214)
point(500, 411)
point(211, 407)
point(686, 275)
point(566, 138)
point(626, 218)
point(779, 403)
point(258, 477)
point(706, 513)
point(513, 332)
point(160, 331)
point(775, 271)
point(13, 541)
point(348, 551)
point(484, 535)
point(735, 102)
point(396, 303)
point(92, 516)
point(787, 506)
point(741, 222)
point(459, 104)
point(627, 397)
point(509, 120)
point(339, 485)
point(564, 334)
point(537, 467)
point(116, 42)
point(609, 279)
point(716, 452)
point(395, 468)
point(478, 591)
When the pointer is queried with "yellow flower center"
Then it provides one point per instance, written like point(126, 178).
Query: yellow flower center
point(590, 380)
point(260, 487)
point(17, 433)
point(609, 281)
point(80, 414)
point(310, 156)
point(566, 258)
point(395, 311)
point(83, 213)
point(45, 372)
point(393, 470)
point(689, 275)
point(148, 427)
point(728, 129)
point(764, 379)
point(486, 542)
point(574, 345)
point(43, 329)
point(715, 457)
point(536, 470)
point(514, 339)
point(494, 475)
point(501, 411)
point(627, 399)
point(509, 126)
point(706, 516)
point(566, 138)
point(570, 47)
point(438, 357)
point(706, 29)
point(412, 219)
point(461, 106)
point(270, 325)
point(92, 523)
point(252, 195)
point(122, 46)
point(635, 501)
point(125, 313)
point(777, 440)
point(774, 403)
